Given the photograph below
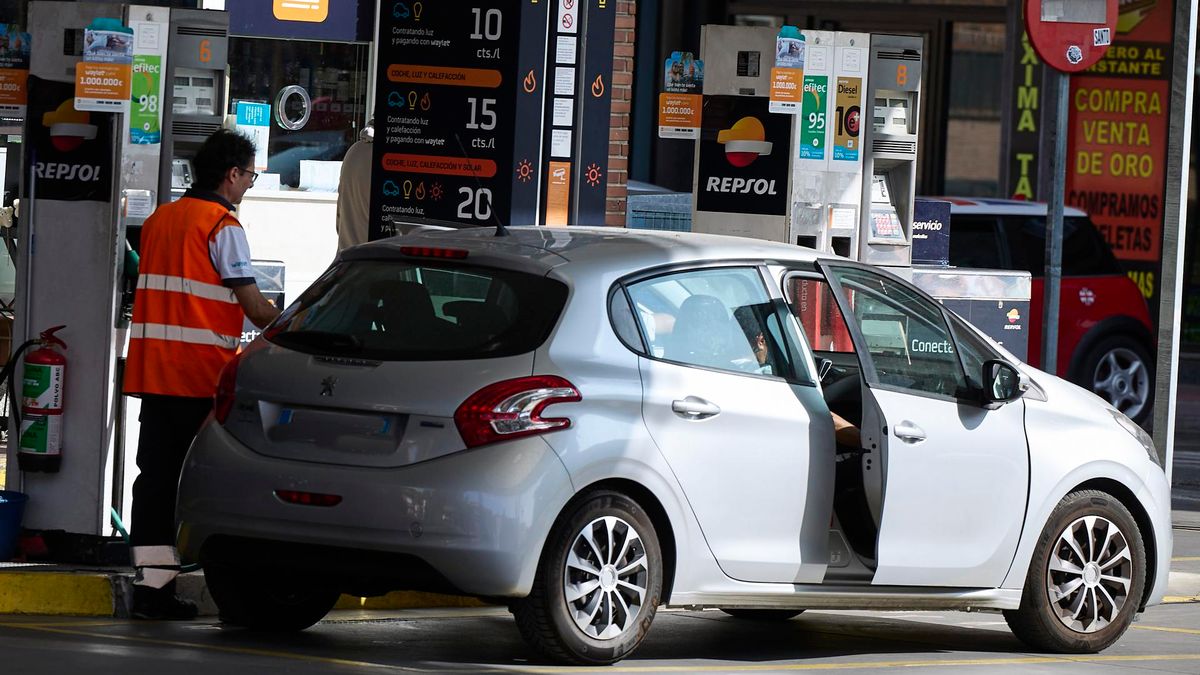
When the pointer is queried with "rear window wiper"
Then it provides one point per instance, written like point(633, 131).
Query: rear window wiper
point(340, 343)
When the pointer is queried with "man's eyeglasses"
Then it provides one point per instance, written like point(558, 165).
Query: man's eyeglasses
point(253, 174)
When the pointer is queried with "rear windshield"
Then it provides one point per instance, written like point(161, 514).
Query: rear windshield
point(397, 310)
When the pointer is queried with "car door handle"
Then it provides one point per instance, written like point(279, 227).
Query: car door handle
point(694, 408)
point(909, 432)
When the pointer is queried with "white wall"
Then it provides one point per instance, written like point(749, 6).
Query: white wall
point(298, 228)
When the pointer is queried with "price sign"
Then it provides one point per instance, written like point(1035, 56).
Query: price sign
point(443, 145)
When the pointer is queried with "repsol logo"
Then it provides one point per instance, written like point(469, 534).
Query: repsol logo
point(742, 186)
point(63, 171)
point(927, 225)
point(925, 347)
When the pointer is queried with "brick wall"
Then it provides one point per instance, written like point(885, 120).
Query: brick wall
point(622, 97)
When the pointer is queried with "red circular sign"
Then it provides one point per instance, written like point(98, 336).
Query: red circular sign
point(1071, 36)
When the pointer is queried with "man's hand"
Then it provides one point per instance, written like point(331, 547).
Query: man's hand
point(257, 308)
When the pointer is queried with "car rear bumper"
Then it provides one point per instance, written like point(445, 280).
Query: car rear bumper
point(472, 522)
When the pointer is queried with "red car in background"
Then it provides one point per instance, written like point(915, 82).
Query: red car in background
point(1105, 339)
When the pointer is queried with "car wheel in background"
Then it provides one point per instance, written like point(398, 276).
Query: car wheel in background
point(1119, 370)
point(262, 601)
point(598, 583)
point(763, 614)
point(1086, 578)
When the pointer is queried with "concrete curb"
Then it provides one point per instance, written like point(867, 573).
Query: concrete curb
point(57, 592)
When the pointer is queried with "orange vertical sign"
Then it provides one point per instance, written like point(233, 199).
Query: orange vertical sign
point(103, 87)
point(787, 90)
point(13, 91)
point(313, 11)
point(679, 115)
point(558, 194)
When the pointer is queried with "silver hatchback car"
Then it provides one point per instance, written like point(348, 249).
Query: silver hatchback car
point(587, 424)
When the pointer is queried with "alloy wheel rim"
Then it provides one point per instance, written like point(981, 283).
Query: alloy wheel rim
point(1090, 574)
point(606, 578)
point(1122, 379)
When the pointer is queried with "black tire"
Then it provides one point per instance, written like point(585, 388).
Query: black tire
point(546, 618)
point(1131, 393)
point(764, 615)
point(265, 602)
point(1037, 623)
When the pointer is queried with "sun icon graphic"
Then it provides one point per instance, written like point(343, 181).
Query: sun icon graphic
point(435, 192)
point(525, 171)
point(594, 175)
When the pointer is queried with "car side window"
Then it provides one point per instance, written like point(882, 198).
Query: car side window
point(714, 318)
point(973, 351)
point(1085, 253)
point(623, 321)
point(813, 305)
point(905, 333)
point(975, 242)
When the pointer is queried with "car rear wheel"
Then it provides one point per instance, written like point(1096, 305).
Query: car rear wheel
point(1118, 370)
point(598, 583)
point(764, 615)
point(1086, 579)
point(267, 602)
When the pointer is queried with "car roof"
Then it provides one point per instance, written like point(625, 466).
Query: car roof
point(614, 248)
point(991, 206)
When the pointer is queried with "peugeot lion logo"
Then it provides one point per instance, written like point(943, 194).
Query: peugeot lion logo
point(327, 385)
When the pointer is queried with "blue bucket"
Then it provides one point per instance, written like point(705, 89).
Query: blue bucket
point(12, 507)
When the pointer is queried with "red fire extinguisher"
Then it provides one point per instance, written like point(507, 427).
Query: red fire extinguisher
point(42, 405)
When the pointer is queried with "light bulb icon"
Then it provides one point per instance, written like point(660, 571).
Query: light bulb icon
point(408, 187)
point(417, 9)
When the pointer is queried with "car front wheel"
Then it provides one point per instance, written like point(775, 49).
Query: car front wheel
point(598, 583)
point(1086, 579)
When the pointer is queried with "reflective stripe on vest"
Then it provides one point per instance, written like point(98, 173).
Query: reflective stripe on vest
point(186, 324)
point(162, 282)
point(192, 336)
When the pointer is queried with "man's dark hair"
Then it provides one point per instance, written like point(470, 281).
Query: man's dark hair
point(220, 152)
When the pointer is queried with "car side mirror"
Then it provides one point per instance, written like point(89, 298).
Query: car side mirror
point(1002, 383)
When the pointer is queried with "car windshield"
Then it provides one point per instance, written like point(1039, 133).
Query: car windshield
point(400, 310)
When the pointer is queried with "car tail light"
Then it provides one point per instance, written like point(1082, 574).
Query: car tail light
point(513, 408)
point(308, 498)
point(433, 252)
point(226, 388)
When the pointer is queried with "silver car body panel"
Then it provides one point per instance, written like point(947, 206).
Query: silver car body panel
point(478, 538)
point(483, 515)
point(297, 406)
point(938, 490)
point(1073, 439)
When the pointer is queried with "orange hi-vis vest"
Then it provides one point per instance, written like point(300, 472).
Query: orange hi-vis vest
point(186, 324)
